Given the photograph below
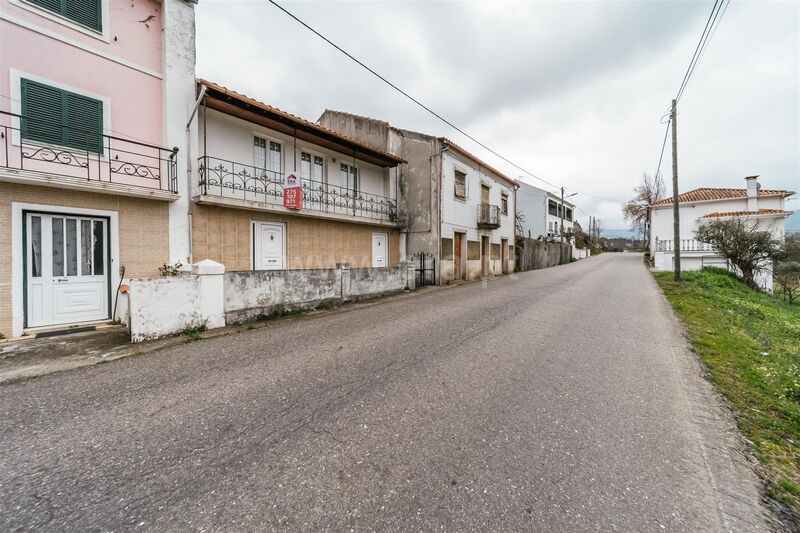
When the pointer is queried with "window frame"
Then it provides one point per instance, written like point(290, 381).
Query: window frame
point(456, 173)
point(552, 207)
point(504, 203)
point(64, 141)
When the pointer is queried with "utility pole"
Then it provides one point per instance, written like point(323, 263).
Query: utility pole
point(676, 217)
point(561, 211)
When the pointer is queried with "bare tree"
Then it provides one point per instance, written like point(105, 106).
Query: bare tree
point(519, 223)
point(637, 209)
point(787, 268)
point(741, 242)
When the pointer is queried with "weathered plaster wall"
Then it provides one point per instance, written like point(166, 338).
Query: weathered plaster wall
point(376, 281)
point(533, 254)
point(224, 235)
point(252, 294)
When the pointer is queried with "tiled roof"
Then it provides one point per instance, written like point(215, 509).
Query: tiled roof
point(705, 194)
point(299, 121)
point(760, 212)
point(467, 154)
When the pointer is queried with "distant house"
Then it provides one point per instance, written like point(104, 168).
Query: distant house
point(541, 212)
point(452, 205)
point(766, 206)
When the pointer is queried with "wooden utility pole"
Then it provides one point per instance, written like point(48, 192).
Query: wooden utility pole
point(561, 211)
point(676, 217)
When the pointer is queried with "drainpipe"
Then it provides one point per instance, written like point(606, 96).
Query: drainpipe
point(197, 102)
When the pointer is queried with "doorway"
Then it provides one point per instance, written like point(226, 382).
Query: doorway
point(458, 255)
point(269, 246)
point(66, 267)
point(504, 255)
point(379, 249)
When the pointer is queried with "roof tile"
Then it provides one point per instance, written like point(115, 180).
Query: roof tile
point(705, 194)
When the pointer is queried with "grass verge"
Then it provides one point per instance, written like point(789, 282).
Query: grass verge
point(750, 345)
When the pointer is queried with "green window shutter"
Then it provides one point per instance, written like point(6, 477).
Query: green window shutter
point(56, 116)
point(42, 112)
point(84, 120)
point(88, 13)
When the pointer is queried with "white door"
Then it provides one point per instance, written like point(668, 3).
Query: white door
point(379, 249)
point(268, 246)
point(66, 272)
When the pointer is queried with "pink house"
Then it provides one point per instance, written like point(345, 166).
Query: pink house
point(95, 98)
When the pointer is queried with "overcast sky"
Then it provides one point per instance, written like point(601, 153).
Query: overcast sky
point(572, 91)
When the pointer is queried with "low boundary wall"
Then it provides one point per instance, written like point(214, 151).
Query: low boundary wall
point(210, 297)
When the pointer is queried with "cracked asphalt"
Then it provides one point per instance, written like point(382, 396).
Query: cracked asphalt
point(556, 400)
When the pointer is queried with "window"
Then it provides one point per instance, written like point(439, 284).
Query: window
point(568, 216)
point(87, 13)
point(460, 190)
point(56, 116)
point(311, 168)
point(349, 177)
point(552, 208)
point(504, 203)
point(267, 156)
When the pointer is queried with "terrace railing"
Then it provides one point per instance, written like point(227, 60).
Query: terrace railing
point(90, 156)
point(228, 179)
point(686, 245)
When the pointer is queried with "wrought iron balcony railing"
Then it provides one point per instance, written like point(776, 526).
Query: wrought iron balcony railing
point(94, 157)
point(228, 179)
point(686, 245)
point(488, 216)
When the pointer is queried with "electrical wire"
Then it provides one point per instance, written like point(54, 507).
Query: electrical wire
point(701, 44)
point(423, 106)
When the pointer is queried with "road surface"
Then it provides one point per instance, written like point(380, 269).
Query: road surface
point(556, 400)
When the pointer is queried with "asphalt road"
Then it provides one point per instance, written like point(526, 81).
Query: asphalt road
point(556, 400)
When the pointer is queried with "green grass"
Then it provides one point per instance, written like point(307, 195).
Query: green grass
point(193, 333)
point(750, 345)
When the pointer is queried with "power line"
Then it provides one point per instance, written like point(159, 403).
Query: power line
point(701, 44)
point(423, 106)
point(663, 146)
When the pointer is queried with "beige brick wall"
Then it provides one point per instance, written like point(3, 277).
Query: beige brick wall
point(223, 234)
point(143, 231)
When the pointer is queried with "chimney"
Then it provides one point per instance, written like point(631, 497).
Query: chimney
point(752, 193)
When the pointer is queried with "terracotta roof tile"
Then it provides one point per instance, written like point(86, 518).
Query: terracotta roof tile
point(705, 194)
point(722, 214)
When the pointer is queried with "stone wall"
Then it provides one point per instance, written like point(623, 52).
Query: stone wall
point(533, 254)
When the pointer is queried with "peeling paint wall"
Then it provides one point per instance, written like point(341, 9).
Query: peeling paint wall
point(263, 293)
point(164, 306)
point(533, 254)
point(377, 281)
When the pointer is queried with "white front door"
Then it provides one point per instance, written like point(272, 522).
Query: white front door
point(268, 246)
point(66, 269)
point(379, 245)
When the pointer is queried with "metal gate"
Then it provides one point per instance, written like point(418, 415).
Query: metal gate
point(425, 268)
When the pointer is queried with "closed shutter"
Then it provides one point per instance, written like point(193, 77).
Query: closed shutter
point(56, 116)
point(87, 13)
point(84, 120)
point(42, 112)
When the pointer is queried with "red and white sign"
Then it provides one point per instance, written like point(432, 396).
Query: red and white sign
point(293, 197)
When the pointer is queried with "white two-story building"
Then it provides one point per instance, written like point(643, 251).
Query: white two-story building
point(765, 206)
point(543, 214)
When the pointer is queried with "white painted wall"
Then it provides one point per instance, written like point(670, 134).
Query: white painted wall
point(533, 203)
point(231, 138)
point(691, 215)
point(179, 97)
point(462, 215)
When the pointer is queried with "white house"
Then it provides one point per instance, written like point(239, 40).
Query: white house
point(452, 205)
point(541, 212)
point(766, 206)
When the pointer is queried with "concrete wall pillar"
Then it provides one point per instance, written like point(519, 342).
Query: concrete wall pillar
point(344, 272)
point(410, 274)
point(212, 292)
point(403, 247)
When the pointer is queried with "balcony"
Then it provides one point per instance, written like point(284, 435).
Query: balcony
point(686, 245)
point(107, 164)
point(488, 216)
point(234, 184)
